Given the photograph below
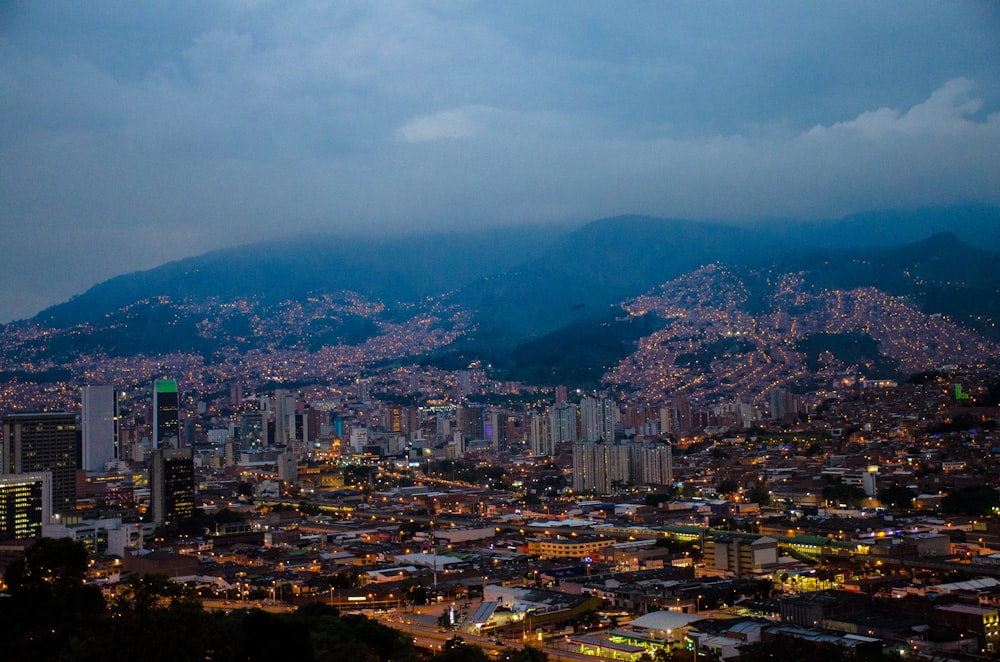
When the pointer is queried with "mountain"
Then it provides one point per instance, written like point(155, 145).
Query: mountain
point(940, 274)
point(589, 270)
point(535, 303)
point(974, 224)
point(405, 268)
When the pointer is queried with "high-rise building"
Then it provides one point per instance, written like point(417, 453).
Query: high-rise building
point(469, 421)
point(562, 394)
point(171, 485)
point(563, 422)
point(166, 414)
point(284, 417)
point(605, 467)
point(651, 463)
point(99, 420)
point(253, 430)
point(598, 416)
point(539, 436)
point(25, 504)
point(236, 395)
point(600, 467)
point(43, 442)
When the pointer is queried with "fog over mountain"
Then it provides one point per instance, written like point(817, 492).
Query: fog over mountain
point(136, 134)
point(536, 304)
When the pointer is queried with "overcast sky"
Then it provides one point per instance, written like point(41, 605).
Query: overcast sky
point(132, 133)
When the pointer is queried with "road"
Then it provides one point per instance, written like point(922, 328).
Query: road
point(434, 638)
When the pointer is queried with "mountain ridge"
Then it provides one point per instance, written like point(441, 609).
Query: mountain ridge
point(517, 302)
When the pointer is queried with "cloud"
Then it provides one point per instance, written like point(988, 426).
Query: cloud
point(134, 133)
point(446, 125)
point(947, 111)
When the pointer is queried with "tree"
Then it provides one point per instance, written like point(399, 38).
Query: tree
point(972, 500)
point(727, 487)
point(456, 650)
point(840, 493)
point(526, 654)
point(50, 608)
point(52, 565)
point(759, 495)
point(896, 497)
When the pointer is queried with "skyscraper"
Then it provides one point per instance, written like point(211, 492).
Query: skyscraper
point(43, 442)
point(284, 417)
point(99, 421)
point(539, 436)
point(166, 414)
point(171, 485)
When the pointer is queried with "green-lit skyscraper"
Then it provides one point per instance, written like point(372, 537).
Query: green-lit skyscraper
point(166, 414)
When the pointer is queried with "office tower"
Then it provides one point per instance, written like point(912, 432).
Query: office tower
point(456, 447)
point(561, 394)
point(284, 417)
point(166, 414)
point(25, 504)
point(491, 429)
point(300, 434)
point(469, 421)
point(394, 419)
point(315, 420)
point(99, 420)
point(469, 381)
point(410, 422)
point(359, 439)
point(597, 418)
point(443, 426)
point(253, 431)
point(562, 422)
point(43, 442)
point(171, 485)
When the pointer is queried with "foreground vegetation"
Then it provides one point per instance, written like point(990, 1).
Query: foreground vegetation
point(51, 614)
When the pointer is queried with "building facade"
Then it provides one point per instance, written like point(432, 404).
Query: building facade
point(99, 423)
point(171, 484)
point(43, 442)
point(25, 504)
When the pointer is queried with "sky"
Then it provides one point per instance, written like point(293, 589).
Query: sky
point(134, 133)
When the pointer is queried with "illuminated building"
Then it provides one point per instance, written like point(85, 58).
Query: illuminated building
point(25, 504)
point(171, 485)
point(43, 442)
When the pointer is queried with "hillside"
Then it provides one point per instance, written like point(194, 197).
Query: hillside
point(537, 305)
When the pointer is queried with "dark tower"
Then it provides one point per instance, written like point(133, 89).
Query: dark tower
point(166, 414)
